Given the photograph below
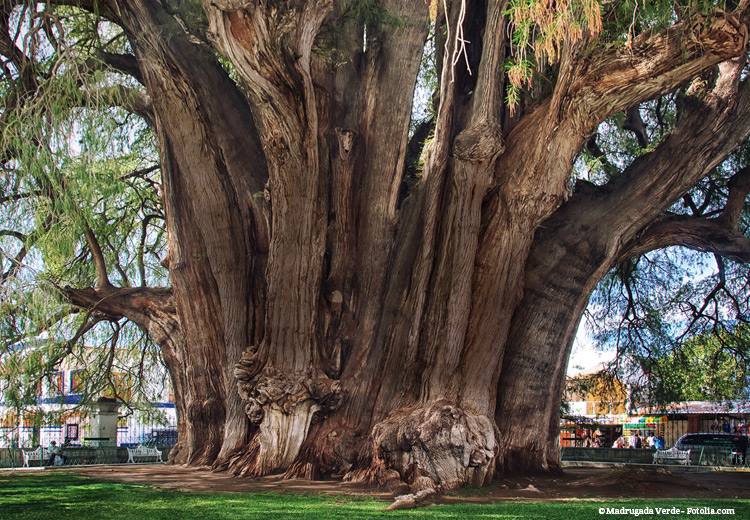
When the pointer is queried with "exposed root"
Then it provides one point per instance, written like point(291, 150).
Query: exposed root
point(240, 462)
point(177, 455)
point(412, 500)
point(329, 452)
point(439, 446)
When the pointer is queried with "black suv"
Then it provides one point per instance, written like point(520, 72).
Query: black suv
point(713, 449)
point(693, 441)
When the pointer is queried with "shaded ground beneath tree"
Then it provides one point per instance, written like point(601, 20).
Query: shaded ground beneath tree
point(589, 483)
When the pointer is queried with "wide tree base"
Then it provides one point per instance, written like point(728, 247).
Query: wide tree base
point(438, 447)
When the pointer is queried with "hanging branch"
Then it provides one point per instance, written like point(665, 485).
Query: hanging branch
point(102, 280)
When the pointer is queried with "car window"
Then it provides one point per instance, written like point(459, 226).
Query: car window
point(715, 441)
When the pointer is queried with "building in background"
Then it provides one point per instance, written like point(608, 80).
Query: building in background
point(596, 401)
point(66, 413)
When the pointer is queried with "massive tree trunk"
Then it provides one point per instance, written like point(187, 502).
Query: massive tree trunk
point(597, 228)
point(319, 326)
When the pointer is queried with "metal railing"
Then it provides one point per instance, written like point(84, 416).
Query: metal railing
point(84, 448)
point(76, 456)
point(706, 456)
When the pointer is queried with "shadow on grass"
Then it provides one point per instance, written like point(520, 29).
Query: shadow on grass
point(62, 496)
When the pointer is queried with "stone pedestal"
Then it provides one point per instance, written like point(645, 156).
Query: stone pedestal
point(104, 416)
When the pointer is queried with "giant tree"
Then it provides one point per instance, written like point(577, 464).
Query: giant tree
point(345, 296)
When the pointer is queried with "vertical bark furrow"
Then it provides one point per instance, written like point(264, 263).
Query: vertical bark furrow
point(209, 146)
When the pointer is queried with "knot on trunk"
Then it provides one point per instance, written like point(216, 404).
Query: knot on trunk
point(250, 364)
point(481, 142)
point(724, 31)
point(438, 446)
point(284, 405)
point(285, 392)
point(346, 142)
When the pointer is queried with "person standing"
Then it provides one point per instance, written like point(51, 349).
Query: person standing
point(635, 442)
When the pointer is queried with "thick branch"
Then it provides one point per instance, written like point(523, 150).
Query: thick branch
point(739, 186)
point(125, 63)
point(635, 124)
point(706, 235)
point(152, 309)
point(134, 101)
point(706, 133)
point(586, 236)
point(611, 79)
point(102, 280)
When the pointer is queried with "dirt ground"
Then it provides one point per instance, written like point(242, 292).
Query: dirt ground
point(633, 482)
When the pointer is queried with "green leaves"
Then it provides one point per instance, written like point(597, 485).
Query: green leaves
point(76, 162)
point(540, 29)
point(372, 14)
point(710, 366)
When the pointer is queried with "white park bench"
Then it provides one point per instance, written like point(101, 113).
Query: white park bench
point(672, 454)
point(39, 454)
point(143, 452)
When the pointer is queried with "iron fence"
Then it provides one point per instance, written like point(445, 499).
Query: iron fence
point(78, 444)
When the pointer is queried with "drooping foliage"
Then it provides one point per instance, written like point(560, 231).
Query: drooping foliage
point(81, 179)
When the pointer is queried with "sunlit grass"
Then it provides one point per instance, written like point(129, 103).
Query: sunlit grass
point(62, 495)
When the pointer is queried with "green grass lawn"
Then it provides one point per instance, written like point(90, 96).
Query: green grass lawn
point(60, 496)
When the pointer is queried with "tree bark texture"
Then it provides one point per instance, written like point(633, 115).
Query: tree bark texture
point(317, 325)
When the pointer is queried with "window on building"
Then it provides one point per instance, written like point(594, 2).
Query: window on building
point(77, 382)
point(58, 382)
point(71, 432)
point(120, 388)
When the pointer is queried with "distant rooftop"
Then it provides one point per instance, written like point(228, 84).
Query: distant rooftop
point(739, 406)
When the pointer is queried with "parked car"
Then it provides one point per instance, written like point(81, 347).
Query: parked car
point(714, 449)
point(691, 441)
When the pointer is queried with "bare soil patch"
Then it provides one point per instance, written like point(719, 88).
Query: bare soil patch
point(632, 482)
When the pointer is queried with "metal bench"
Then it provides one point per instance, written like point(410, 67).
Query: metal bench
point(39, 454)
point(143, 452)
point(672, 454)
